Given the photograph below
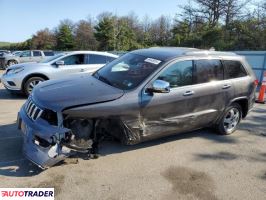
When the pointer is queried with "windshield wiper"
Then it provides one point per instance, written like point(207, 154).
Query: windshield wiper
point(103, 79)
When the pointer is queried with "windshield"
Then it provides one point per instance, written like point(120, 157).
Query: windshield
point(128, 71)
point(53, 58)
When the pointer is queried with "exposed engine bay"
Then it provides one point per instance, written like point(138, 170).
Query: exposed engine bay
point(85, 134)
point(74, 136)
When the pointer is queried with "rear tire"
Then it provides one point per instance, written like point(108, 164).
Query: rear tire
point(31, 83)
point(230, 119)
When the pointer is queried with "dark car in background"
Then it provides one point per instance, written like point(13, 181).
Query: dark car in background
point(142, 95)
point(3, 52)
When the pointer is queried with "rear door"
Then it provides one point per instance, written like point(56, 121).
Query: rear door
point(213, 90)
point(37, 56)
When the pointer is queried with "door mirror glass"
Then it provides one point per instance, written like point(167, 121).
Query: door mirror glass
point(59, 62)
point(159, 86)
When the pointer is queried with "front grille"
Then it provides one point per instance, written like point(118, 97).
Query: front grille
point(33, 111)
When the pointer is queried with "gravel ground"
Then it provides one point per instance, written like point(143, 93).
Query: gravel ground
point(196, 165)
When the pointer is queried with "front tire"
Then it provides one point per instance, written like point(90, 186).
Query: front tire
point(230, 119)
point(31, 83)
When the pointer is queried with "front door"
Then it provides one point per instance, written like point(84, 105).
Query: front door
point(73, 64)
point(25, 57)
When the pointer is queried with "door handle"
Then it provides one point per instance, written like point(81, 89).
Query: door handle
point(226, 86)
point(188, 93)
point(82, 70)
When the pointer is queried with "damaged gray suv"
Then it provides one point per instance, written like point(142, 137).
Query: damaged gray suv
point(143, 95)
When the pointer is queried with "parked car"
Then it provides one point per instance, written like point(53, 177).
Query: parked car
point(24, 77)
point(25, 56)
point(3, 52)
point(140, 96)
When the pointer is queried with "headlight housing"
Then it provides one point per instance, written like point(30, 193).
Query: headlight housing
point(15, 70)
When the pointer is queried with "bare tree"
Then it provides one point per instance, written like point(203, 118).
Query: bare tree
point(161, 31)
point(232, 9)
point(84, 36)
point(43, 39)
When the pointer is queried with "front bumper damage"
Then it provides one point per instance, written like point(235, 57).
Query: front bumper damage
point(41, 143)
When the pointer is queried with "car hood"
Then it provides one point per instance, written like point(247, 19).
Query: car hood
point(58, 95)
point(27, 65)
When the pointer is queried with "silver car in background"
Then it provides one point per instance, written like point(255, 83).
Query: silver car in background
point(24, 77)
point(10, 59)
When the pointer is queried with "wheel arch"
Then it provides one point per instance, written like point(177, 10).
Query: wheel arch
point(243, 102)
point(11, 59)
point(33, 75)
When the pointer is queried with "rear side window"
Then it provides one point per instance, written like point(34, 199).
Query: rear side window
point(208, 70)
point(233, 69)
point(96, 59)
point(48, 53)
point(109, 59)
point(178, 74)
point(37, 53)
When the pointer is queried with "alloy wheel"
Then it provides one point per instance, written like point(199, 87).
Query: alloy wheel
point(32, 84)
point(231, 119)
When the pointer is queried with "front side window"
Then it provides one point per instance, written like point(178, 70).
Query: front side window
point(74, 59)
point(178, 74)
point(233, 69)
point(37, 53)
point(25, 54)
point(208, 70)
point(52, 58)
point(127, 71)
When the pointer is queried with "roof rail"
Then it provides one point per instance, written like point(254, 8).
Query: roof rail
point(207, 52)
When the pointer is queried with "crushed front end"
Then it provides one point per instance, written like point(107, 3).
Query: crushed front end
point(46, 140)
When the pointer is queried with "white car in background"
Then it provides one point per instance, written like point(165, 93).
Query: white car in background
point(24, 77)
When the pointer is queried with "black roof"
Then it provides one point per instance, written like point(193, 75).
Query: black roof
point(164, 53)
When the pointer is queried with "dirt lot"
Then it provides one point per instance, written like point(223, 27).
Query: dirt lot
point(196, 165)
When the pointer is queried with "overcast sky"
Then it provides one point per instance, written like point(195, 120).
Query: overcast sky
point(22, 18)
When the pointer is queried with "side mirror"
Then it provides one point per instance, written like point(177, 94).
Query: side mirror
point(159, 86)
point(59, 62)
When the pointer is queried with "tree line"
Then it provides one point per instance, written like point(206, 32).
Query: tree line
point(222, 24)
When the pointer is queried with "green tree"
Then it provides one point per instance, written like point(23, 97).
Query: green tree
point(64, 36)
point(105, 34)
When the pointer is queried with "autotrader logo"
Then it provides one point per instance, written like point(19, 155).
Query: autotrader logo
point(27, 193)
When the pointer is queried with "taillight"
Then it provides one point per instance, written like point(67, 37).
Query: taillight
point(256, 82)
